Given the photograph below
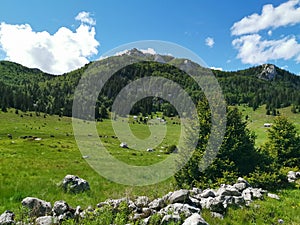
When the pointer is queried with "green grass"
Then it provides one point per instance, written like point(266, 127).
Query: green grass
point(260, 212)
point(31, 167)
point(34, 168)
point(258, 117)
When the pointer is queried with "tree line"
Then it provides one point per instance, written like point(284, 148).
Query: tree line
point(32, 90)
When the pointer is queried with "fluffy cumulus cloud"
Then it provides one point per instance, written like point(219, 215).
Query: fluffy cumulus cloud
point(285, 14)
point(56, 54)
point(85, 17)
point(253, 48)
point(210, 42)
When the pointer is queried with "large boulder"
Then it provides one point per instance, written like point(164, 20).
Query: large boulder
point(37, 206)
point(180, 196)
point(74, 184)
point(195, 219)
point(7, 218)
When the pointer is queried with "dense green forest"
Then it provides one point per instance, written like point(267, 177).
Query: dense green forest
point(32, 90)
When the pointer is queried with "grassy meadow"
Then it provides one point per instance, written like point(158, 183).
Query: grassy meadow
point(257, 118)
point(43, 150)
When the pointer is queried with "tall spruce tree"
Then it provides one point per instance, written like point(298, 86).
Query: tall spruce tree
point(237, 155)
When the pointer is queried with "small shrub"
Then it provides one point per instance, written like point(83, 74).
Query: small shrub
point(171, 149)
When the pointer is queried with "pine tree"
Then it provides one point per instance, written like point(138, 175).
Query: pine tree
point(284, 142)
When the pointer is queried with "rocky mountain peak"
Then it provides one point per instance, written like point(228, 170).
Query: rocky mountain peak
point(135, 52)
point(268, 72)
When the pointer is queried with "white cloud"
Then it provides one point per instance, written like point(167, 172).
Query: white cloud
point(150, 51)
point(287, 13)
point(252, 49)
point(210, 42)
point(216, 68)
point(56, 54)
point(270, 32)
point(85, 17)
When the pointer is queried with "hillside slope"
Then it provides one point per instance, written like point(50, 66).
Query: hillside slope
point(31, 89)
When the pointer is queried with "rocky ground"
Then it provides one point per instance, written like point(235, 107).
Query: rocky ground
point(179, 206)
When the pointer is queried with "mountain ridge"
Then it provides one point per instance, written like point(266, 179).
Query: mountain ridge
point(31, 89)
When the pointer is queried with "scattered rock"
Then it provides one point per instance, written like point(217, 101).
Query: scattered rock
point(180, 196)
point(216, 205)
point(208, 193)
point(37, 206)
point(195, 219)
point(113, 202)
point(293, 176)
point(7, 218)
point(123, 145)
point(142, 201)
point(45, 220)
point(242, 180)
point(61, 211)
point(157, 204)
point(170, 218)
point(195, 191)
point(217, 215)
point(179, 209)
point(270, 195)
point(75, 184)
point(179, 206)
point(228, 190)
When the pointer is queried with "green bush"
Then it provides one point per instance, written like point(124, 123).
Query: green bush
point(170, 149)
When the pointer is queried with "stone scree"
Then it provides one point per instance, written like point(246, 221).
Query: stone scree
point(171, 207)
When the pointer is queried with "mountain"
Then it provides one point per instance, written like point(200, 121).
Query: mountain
point(32, 90)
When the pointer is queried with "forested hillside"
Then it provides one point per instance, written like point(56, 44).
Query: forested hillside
point(32, 90)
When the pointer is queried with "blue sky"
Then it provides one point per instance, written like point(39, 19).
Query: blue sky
point(58, 36)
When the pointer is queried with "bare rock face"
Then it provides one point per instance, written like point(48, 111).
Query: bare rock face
point(268, 73)
point(37, 206)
